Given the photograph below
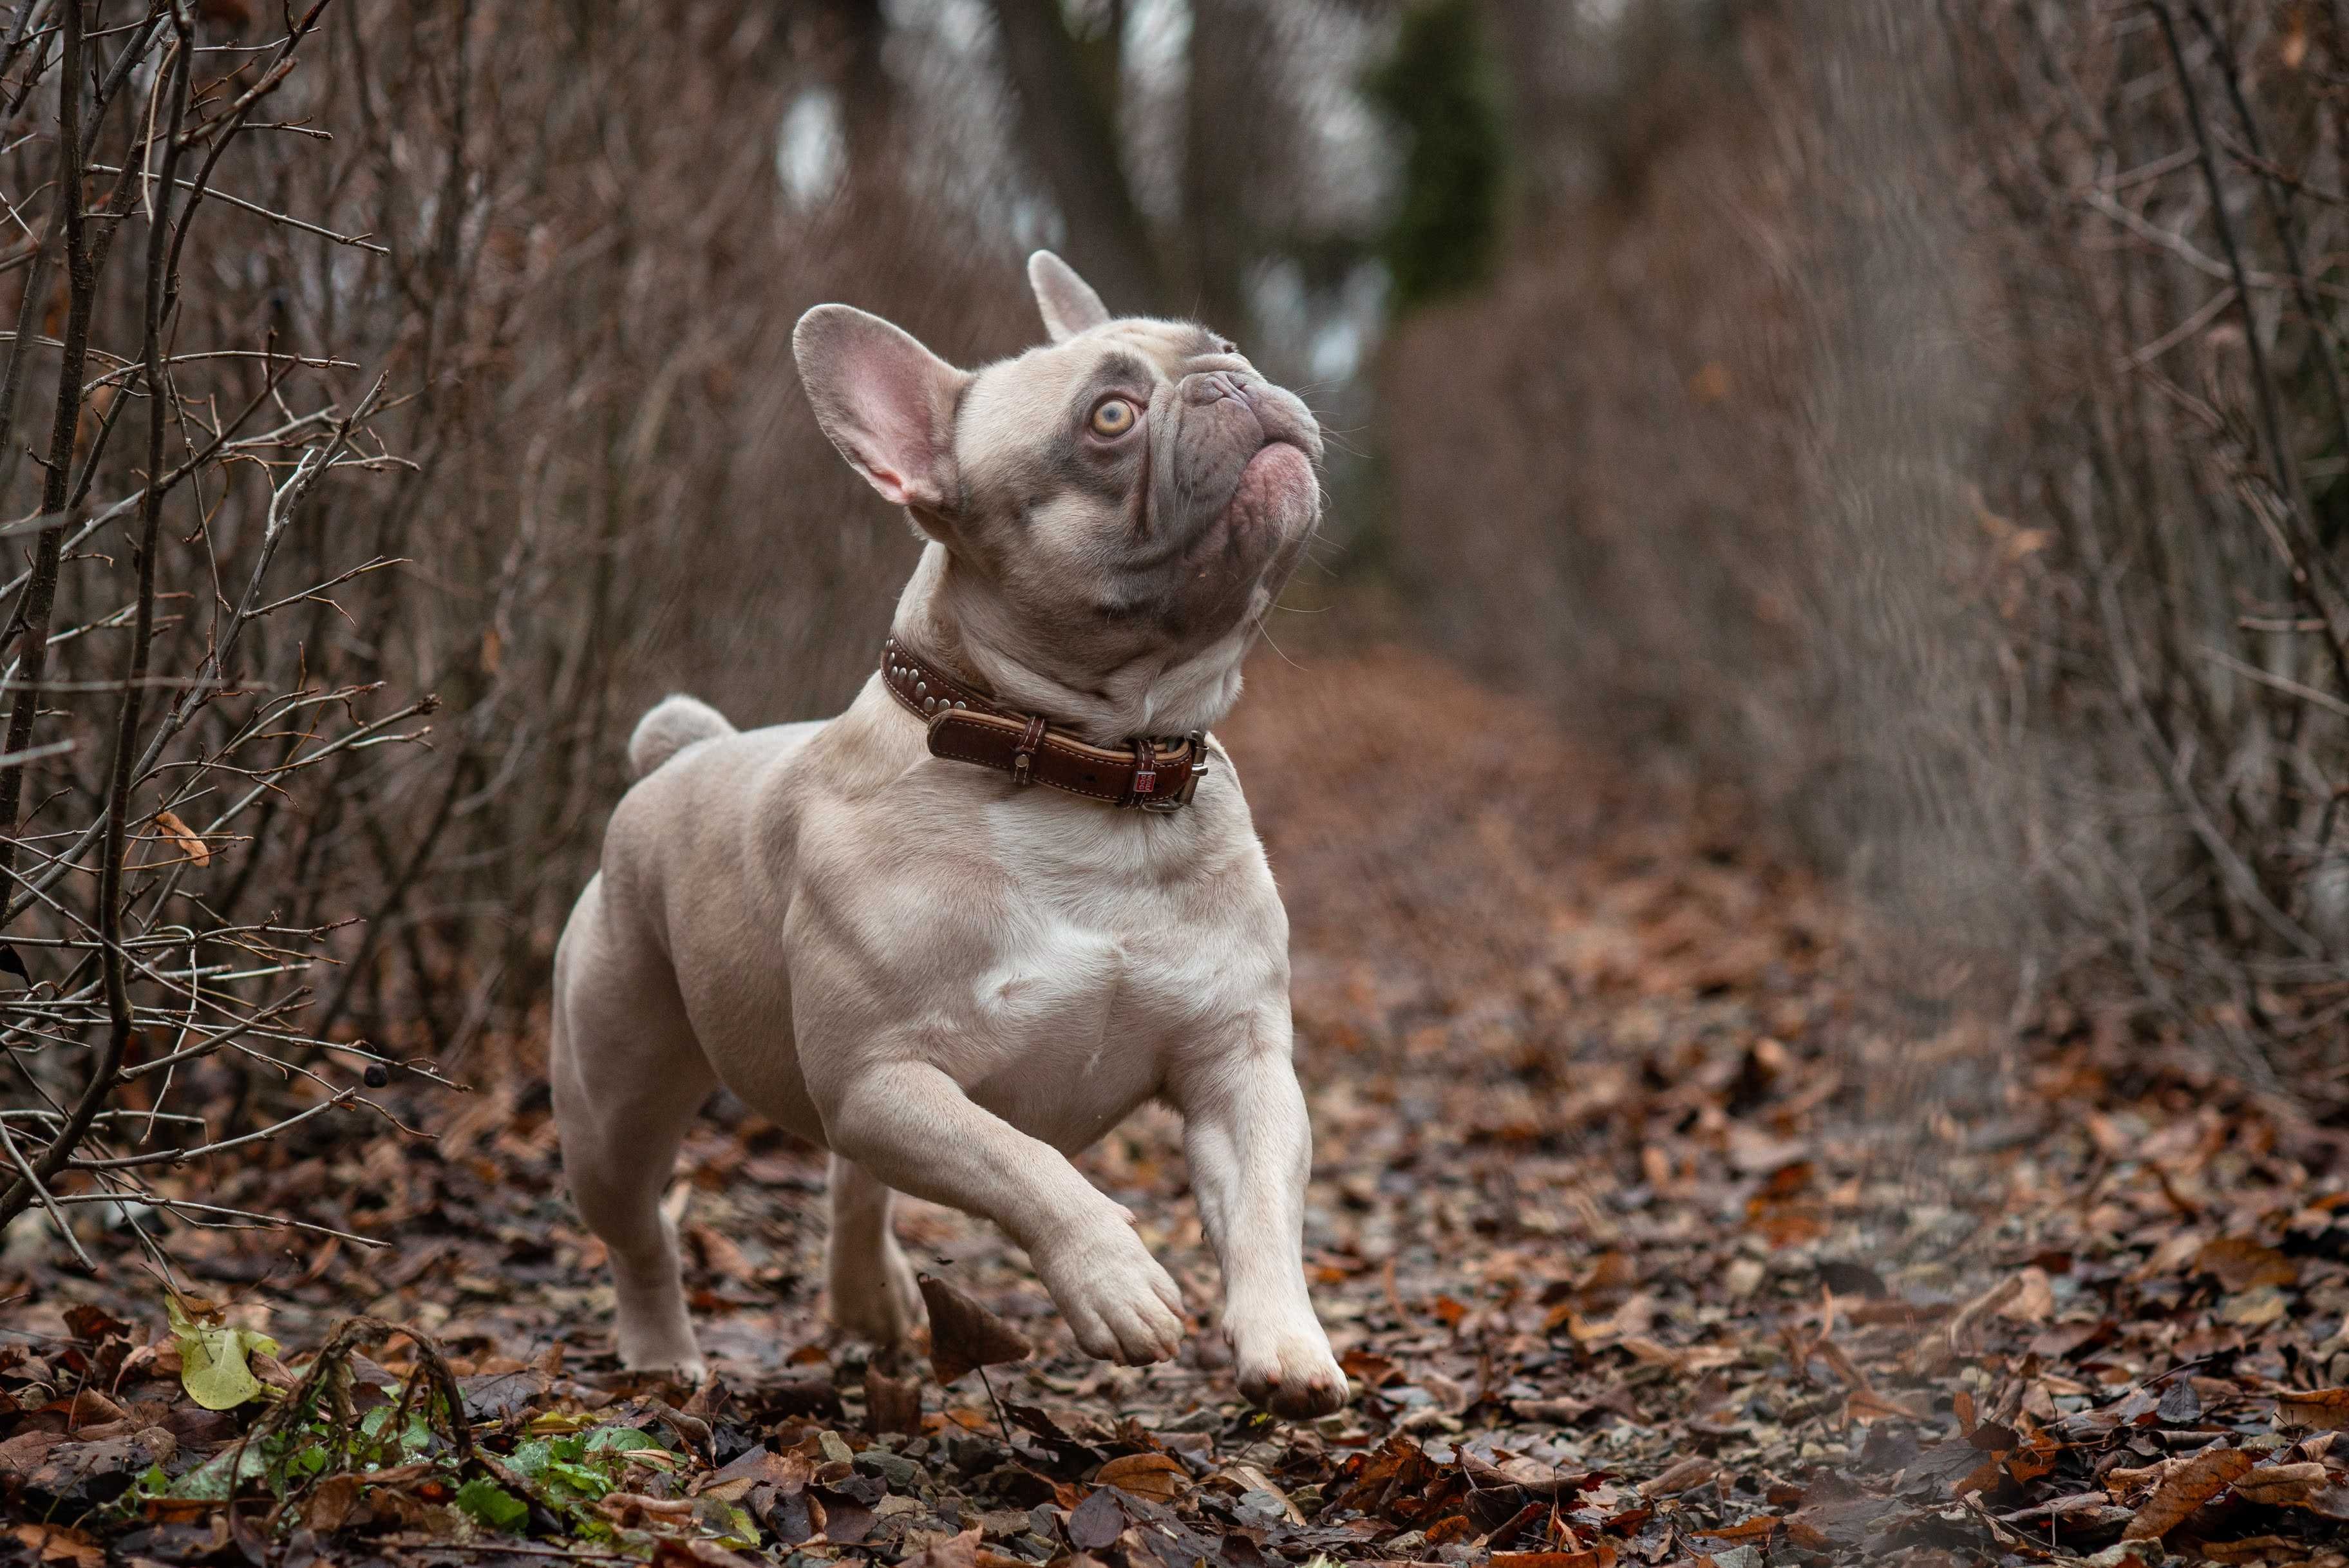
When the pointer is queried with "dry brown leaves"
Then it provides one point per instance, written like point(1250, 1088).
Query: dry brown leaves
point(1634, 1254)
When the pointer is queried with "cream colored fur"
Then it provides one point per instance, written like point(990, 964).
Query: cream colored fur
point(950, 983)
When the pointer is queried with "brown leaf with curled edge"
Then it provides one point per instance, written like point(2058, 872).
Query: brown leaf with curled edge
point(2314, 1409)
point(672, 1551)
point(1531, 1474)
point(2282, 1486)
point(59, 1543)
point(1602, 1556)
point(965, 1335)
point(1692, 1472)
point(2186, 1486)
point(1153, 1476)
point(190, 843)
point(1866, 1405)
point(2251, 1549)
point(2241, 1263)
point(1958, 1334)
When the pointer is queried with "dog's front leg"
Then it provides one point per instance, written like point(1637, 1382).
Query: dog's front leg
point(1250, 1148)
point(913, 1128)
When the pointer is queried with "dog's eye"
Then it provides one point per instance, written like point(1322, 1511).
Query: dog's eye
point(1113, 418)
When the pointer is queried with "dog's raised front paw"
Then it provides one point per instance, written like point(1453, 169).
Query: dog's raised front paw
point(1287, 1371)
point(1118, 1302)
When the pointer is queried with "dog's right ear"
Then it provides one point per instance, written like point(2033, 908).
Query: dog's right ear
point(1066, 302)
point(887, 403)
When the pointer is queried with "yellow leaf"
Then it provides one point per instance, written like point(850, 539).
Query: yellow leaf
point(213, 1357)
point(190, 843)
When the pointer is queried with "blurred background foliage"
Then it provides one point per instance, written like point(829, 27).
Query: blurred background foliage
point(1846, 405)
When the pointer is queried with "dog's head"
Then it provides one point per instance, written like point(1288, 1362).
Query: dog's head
point(1110, 508)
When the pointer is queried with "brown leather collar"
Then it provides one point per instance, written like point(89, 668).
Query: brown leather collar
point(966, 726)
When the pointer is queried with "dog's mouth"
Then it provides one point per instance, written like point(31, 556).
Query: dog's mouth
point(1278, 493)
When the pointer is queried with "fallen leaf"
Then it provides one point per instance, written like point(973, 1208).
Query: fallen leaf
point(1153, 1476)
point(1531, 1475)
point(787, 1473)
point(2186, 1486)
point(331, 1503)
point(2241, 1263)
point(1959, 1332)
point(1244, 1478)
point(2281, 1486)
point(965, 1335)
point(2251, 1549)
point(2034, 1301)
point(212, 1365)
point(1865, 1405)
point(1694, 1471)
point(2255, 1308)
point(673, 1552)
point(56, 1543)
point(2315, 1409)
point(1096, 1522)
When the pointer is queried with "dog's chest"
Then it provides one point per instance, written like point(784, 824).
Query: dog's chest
point(1103, 968)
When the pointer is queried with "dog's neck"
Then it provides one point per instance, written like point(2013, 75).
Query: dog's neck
point(941, 618)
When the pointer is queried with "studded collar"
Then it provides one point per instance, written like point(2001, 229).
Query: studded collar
point(965, 725)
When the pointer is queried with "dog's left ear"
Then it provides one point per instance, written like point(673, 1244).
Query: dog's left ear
point(1066, 301)
point(887, 403)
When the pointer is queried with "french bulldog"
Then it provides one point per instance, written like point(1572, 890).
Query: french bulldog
point(947, 977)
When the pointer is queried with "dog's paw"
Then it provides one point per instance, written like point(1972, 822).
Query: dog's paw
point(660, 1341)
point(876, 1298)
point(1287, 1371)
point(1117, 1301)
point(687, 1368)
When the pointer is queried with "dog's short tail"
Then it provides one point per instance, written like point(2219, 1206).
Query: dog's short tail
point(673, 724)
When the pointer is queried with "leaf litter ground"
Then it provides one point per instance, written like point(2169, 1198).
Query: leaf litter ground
point(1645, 1237)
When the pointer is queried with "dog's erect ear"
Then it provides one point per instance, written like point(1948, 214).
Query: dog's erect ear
point(1067, 302)
point(887, 403)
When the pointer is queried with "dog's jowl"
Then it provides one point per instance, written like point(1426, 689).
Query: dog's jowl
point(960, 931)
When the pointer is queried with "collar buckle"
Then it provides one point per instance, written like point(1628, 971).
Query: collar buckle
point(1180, 796)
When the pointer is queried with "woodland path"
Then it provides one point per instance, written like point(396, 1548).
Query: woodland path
point(1625, 1219)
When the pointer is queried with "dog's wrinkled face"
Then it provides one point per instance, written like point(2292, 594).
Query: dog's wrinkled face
point(1134, 488)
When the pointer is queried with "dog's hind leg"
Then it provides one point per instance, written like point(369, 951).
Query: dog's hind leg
point(627, 1077)
point(872, 1289)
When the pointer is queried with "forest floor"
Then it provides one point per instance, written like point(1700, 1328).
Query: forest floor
point(1643, 1239)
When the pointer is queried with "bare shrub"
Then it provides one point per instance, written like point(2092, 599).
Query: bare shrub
point(1943, 439)
point(2180, 444)
point(169, 736)
point(617, 491)
point(479, 399)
